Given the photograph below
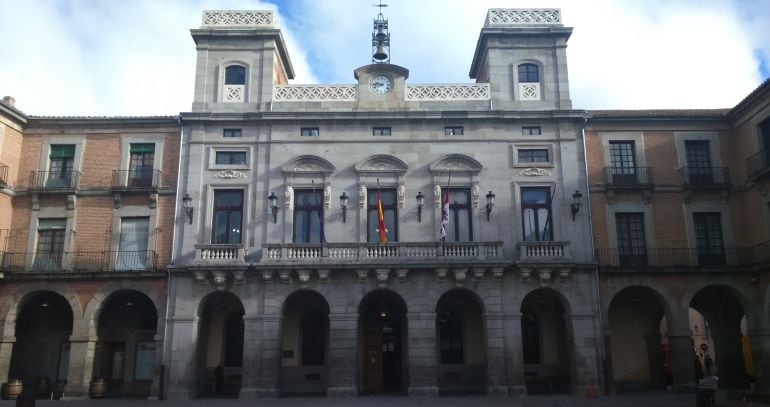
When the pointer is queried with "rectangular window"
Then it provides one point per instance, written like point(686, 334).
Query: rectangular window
point(50, 244)
point(231, 157)
point(132, 246)
point(228, 216)
point(699, 169)
point(623, 163)
point(381, 131)
point(389, 215)
point(232, 133)
point(308, 216)
point(632, 247)
point(310, 132)
point(708, 238)
point(61, 167)
point(140, 164)
point(531, 130)
point(453, 131)
point(459, 228)
point(539, 155)
point(536, 214)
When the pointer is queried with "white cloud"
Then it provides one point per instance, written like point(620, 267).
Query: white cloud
point(137, 58)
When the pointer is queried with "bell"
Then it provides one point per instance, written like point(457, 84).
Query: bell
point(380, 54)
point(380, 36)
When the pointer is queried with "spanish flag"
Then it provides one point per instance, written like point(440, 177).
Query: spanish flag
point(381, 218)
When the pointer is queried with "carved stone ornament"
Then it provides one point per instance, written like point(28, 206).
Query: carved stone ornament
point(228, 174)
point(437, 196)
point(200, 277)
point(304, 277)
point(284, 276)
point(401, 275)
point(441, 273)
point(289, 197)
point(545, 276)
point(327, 197)
point(362, 196)
point(524, 273)
point(460, 275)
point(534, 172)
point(363, 275)
point(267, 276)
point(220, 278)
point(239, 277)
point(401, 195)
point(308, 164)
point(497, 273)
point(564, 274)
point(382, 277)
point(456, 163)
point(323, 276)
point(476, 195)
point(478, 273)
point(382, 164)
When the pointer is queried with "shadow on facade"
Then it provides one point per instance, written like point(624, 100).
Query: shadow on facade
point(545, 339)
point(220, 346)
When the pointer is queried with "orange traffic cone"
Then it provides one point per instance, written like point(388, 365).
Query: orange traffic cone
point(591, 390)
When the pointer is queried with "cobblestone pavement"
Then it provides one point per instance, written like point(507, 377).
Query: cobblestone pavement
point(632, 400)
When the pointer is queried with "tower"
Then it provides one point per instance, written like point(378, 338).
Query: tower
point(380, 38)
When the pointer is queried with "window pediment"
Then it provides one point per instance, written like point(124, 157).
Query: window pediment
point(456, 163)
point(308, 164)
point(381, 164)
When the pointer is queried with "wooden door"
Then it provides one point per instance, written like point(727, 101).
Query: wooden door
point(373, 358)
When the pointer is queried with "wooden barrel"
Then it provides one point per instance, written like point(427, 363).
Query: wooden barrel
point(12, 389)
point(97, 388)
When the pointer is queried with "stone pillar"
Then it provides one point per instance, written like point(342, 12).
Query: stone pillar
point(156, 378)
point(343, 355)
point(497, 383)
point(6, 350)
point(514, 354)
point(81, 368)
point(183, 359)
point(585, 348)
point(422, 354)
point(729, 360)
point(655, 361)
point(252, 361)
point(682, 359)
point(270, 355)
point(760, 358)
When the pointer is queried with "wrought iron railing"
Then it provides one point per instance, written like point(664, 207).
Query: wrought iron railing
point(91, 261)
point(132, 179)
point(757, 162)
point(705, 176)
point(683, 257)
point(628, 176)
point(52, 180)
point(3, 175)
point(376, 252)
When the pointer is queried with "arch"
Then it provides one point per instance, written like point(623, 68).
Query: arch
point(452, 163)
point(563, 301)
point(381, 164)
point(384, 327)
point(749, 308)
point(14, 303)
point(304, 365)
point(235, 73)
point(527, 72)
point(308, 164)
point(461, 342)
point(99, 299)
point(220, 343)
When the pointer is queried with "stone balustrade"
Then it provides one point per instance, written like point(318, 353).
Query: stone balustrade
point(543, 251)
point(219, 253)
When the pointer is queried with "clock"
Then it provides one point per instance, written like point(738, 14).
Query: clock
point(381, 84)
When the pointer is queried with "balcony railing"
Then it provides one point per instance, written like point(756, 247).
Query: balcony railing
point(757, 163)
point(543, 251)
point(3, 175)
point(683, 257)
point(628, 177)
point(705, 176)
point(386, 252)
point(80, 261)
point(54, 180)
point(137, 179)
point(219, 253)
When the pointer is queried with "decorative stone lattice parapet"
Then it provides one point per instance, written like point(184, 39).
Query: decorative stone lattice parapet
point(470, 91)
point(522, 16)
point(238, 18)
point(314, 93)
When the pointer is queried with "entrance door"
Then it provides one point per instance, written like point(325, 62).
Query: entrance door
point(114, 363)
point(373, 360)
point(383, 365)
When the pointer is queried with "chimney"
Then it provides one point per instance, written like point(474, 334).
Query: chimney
point(9, 101)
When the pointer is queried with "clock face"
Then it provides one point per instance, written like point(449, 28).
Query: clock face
point(381, 84)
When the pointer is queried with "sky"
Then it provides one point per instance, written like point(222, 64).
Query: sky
point(128, 58)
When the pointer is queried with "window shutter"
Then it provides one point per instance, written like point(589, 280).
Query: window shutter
point(142, 148)
point(62, 151)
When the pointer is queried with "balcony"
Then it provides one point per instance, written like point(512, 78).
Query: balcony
point(129, 180)
point(757, 165)
point(3, 175)
point(219, 254)
point(628, 177)
point(545, 251)
point(705, 177)
point(96, 261)
point(662, 258)
point(396, 252)
point(54, 180)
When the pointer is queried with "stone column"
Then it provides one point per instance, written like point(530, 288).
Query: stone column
point(682, 359)
point(585, 347)
point(343, 355)
point(6, 350)
point(422, 359)
point(760, 358)
point(497, 382)
point(183, 358)
point(252, 361)
point(81, 367)
point(270, 352)
point(514, 354)
point(156, 378)
point(655, 361)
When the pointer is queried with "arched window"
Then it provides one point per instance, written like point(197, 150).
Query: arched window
point(235, 75)
point(528, 73)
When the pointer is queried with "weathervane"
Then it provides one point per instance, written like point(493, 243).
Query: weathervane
point(380, 38)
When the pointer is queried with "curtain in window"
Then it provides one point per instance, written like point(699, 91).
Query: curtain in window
point(132, 248)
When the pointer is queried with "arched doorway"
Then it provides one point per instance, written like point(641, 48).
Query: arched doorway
point(125, 351)
point(719, 345)
point(305, 338)
point(462, 346)
point(382, 317)
point(220, 345)
point(639, 351)
point(41, 352)
point(545, 343)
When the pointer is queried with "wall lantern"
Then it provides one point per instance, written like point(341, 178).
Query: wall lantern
point(420, 203)
point(344, 206)
point(272, 201)
point(187, 205)
point(490, 203)
point(577, 197)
